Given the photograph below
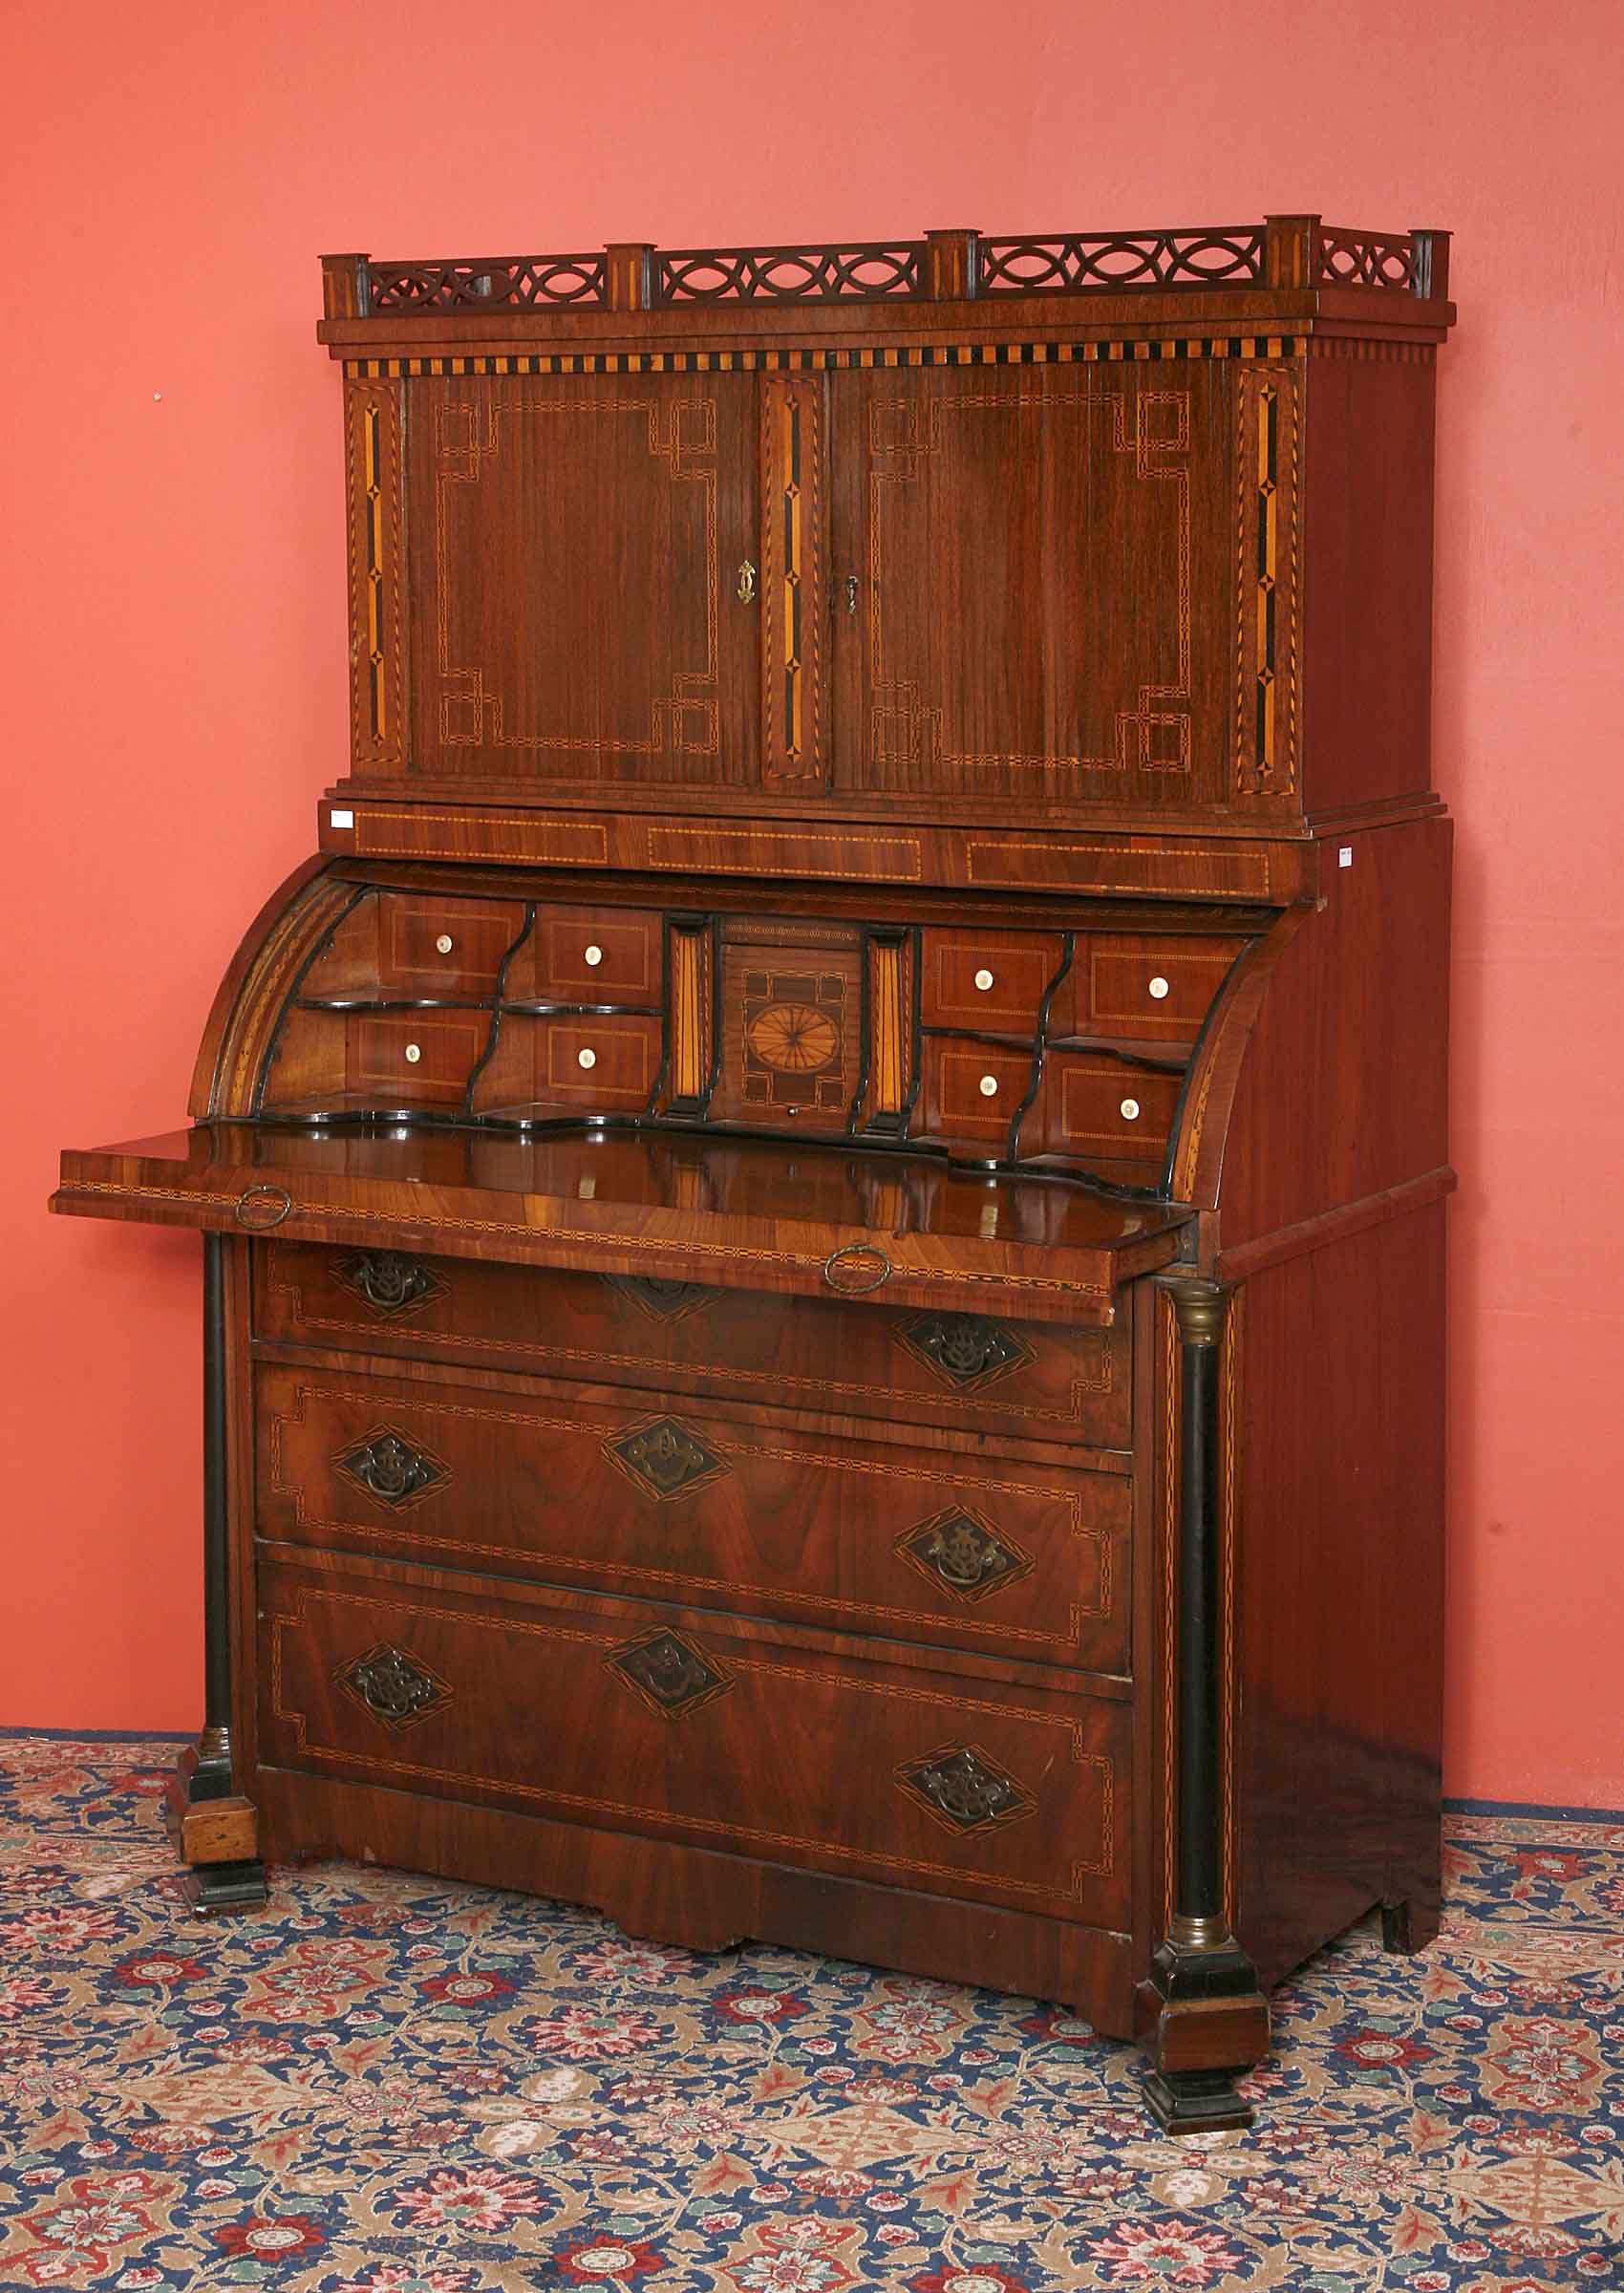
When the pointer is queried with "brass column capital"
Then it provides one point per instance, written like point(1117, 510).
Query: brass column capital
point(1200, 1306)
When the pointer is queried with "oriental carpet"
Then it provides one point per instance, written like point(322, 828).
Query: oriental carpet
point(386, 2084)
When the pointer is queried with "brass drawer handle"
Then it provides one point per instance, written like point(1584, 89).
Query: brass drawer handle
point(387, 1465)
point(387, 1280)
point(966, 1788)
point(394, 1687)
point(856, 1268)
point(262, 1208)
point(746, 582)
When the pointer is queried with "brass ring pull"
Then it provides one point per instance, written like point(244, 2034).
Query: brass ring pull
point(746, 582)
point(856, 1268)
point(262, 1208)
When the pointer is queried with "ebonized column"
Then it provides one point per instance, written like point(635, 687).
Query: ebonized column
point(213, 1825)
point(1212, 2020)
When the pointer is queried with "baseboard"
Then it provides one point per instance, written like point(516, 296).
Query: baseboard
point(1524, 1806)
point(100, 1735)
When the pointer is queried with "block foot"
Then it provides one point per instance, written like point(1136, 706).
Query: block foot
point(226, 1886)
point(1203, 2022)
point(215, 1833)
point(1195, 2101)
point(1410, 1925)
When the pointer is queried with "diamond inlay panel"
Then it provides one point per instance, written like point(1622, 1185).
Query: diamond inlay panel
point(387, 1280)
point(388, 1468)
point(965, 1348)
point(669, 1674)
point(961, 1552)
point(664, 1459)
point(661, 1300)
point(395, 1688)
point(964, 1789)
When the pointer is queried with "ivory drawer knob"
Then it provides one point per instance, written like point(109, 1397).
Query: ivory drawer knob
point(988, 1086)
point(413, 1053)
point(983, 980)
point(1159, 987)
point(1130, 1110)
point(586, 1058)
point(444, 944)
point(594, 956)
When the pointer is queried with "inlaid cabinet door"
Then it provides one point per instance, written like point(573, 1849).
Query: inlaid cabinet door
point(1036, 583)
point(582, 577)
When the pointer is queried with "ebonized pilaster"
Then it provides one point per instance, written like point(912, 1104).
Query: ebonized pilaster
point(1210, 2019)
point(213, 1825)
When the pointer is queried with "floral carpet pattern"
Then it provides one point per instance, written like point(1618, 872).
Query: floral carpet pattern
point(388, 2084)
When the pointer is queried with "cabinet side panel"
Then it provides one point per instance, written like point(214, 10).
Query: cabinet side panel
point(1341, 1603)
point(1367, 688)
point(1344, 1086)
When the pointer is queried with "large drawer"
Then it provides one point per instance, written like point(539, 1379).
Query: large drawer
point(639, 1719)
point(672, 1503)
point(1038, 1380)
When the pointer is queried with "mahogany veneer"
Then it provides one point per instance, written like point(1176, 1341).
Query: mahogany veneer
point(823, 1213)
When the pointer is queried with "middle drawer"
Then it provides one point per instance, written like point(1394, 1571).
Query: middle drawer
point(674, 1503)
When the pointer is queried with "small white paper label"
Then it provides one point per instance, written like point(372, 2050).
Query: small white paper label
point(340, 820)
point(1344, 854)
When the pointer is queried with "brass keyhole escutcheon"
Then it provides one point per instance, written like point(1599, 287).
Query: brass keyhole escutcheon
point(746, 583)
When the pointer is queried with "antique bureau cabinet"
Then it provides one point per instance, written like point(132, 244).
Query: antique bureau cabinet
point(823, 1214)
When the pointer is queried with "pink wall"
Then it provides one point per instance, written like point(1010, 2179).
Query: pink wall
point(173, 572)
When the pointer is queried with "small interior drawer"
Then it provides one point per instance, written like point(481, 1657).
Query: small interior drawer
point(402, 1059)
point(1141, 987)
point(988, 979)
point(972, 1091)
point(1100, 1108)
point(418, 944)
point(608, 1064)
point(413, 1056)
point(589, 956)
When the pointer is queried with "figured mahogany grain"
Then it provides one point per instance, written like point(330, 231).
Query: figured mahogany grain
point(965, 1372)
point(688, 1445)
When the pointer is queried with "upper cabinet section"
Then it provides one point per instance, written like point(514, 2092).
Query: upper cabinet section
point(1132, 530)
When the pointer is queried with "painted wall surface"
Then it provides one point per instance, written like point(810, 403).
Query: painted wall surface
point(175, 691)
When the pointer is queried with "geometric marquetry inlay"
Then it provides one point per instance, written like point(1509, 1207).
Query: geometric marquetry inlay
point(794, 1040)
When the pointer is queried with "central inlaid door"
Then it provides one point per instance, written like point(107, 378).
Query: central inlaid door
point(582, 577)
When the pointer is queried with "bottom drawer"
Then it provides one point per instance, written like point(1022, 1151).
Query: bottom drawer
point(635, 1717)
